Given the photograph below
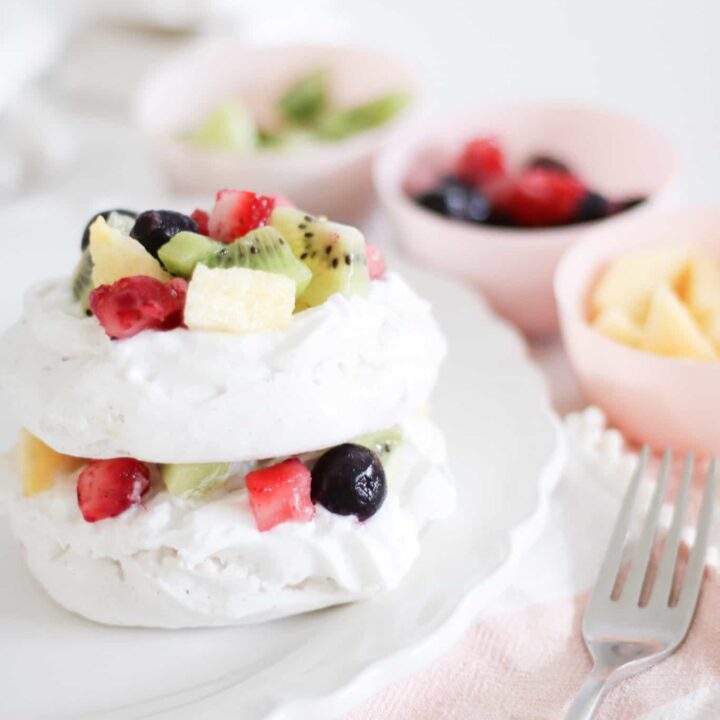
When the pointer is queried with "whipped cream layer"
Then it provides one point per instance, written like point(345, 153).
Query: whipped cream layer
point(172, 563)
point(350, 366)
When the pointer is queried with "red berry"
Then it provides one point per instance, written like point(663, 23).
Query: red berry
point(202, 219)
point(237, 212)
point(138, 303)
point(480, 161)
point(280, 493)
point(541, 197)
point(375, 262)
point(107, 488)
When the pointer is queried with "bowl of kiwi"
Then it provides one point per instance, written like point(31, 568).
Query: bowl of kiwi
point(303, 120)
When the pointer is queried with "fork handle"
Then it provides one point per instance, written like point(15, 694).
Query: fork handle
point(588, 698)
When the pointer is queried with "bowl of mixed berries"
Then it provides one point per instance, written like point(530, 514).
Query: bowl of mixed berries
point(495, 196)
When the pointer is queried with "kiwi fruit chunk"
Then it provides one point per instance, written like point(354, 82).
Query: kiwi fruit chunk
point(305, 100)
point(334, 253)
point(81, 281)
point(185, 250)
point(339, 124)
point(263, 249)
point(193, 481)
point(230, 127)
point(382, 443)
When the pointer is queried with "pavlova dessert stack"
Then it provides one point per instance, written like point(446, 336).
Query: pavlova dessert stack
point(224, 418)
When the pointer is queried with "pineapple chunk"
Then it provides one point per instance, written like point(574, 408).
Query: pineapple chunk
point(702, 291)
point(629, 281)
point(615, 323)
point(39, 464)
point(116, 256)
point(238, 300)
point(671, 329)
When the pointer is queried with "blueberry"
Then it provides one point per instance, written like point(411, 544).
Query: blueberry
point(433, 200)
point(548, 163)
point(105, 214)
point(593, 206)
point(456, 200)
point(349, 480)
point(153, 228)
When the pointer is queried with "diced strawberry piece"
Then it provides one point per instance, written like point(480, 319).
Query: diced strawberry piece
point(480, 161)
point(541, 197)
point(237, 212)
point(107, 488)
point(280, 493)
point(138, 303)
point(202, 219)
point(375, 262)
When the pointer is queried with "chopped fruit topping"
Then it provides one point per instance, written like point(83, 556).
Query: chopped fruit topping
point(263, 249)
point(192, 480)
point(457, 200)
point(153, 228)
point(480, 161)
point(134, 304)
point(116, 255)
point(81, 281)
point(375, 262)
point(349, 480)
point(202, 219)
point(123, 220)
point(540, 197)
point(334, 253)
point(186, 250)
point(238, 300)
point(280, 493)
point(107, 488)
point(39, 464)
point(237, 212)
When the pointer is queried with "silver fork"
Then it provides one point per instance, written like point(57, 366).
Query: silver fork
point(622, 636)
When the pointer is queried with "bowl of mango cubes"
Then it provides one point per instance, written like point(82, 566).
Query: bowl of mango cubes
point(640, 315)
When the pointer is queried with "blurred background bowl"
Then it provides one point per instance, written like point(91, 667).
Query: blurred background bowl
point(615, 155)
point(332, 178)
point(666, 402)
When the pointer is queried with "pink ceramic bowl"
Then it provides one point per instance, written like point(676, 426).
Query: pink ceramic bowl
point(514, 268)
point(665, 402)
point(333, 178)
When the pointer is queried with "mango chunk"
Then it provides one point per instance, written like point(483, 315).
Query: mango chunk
point(671, 329)
point(39, 464)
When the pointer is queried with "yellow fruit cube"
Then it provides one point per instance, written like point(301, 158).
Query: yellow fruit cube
point(671, 329)
point(629, 281)
point(116, 256)
point(238, 300)
point(615, 323)
point(39, 464)
point(702, 289)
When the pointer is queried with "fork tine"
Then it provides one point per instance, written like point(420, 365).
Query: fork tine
point(641, 556)
point(611, 563)
point(696, 563)
point(666, 569)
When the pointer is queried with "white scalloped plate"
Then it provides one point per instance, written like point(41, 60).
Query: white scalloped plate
point(506, 452)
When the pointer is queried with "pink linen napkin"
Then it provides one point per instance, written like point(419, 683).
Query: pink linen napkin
point(525, 660)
